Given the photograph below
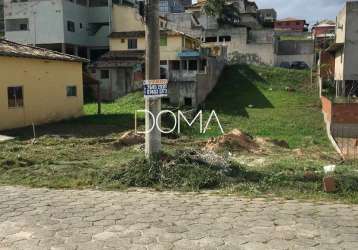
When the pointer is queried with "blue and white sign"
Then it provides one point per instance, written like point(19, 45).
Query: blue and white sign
point(155, 88)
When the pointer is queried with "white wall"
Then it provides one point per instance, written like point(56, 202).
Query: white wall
point(48, 23)
point(45, 22)
point(351, 44)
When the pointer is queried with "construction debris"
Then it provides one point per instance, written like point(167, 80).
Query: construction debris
point(236, 140)
point(129, 138)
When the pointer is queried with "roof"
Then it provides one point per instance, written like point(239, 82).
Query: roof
point(120, 58)
point(129, 34)
point(324, 25)
point(334, 47)
point(289, 19)
point(13, 49)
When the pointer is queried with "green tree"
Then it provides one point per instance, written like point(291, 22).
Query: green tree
point(224, 12)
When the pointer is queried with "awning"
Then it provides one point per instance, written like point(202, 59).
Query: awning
point(334, 47)
point(185, 54)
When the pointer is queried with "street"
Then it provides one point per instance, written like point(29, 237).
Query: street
point(84, 219)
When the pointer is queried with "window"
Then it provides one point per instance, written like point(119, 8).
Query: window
point(163, 41)
point(81, 26)
point(82, 2)
point(123, 40)
point(20, 24)
point(71, 91)
point(70, 26)
point(188, 101)
point(162, 62)
point(98, 3)
point(23, 26)
point(224, 38)
point(104, 74)
point(132, 43)
point(175, 65)
point(212, 39)
point(184, 65)
point(15, 97)
point(203, 65)
point(193, 65)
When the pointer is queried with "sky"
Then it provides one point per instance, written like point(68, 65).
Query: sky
point(310, 10)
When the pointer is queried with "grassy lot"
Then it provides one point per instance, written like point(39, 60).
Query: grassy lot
point(262, 101)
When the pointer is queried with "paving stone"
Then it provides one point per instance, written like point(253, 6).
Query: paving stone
point(84, 219)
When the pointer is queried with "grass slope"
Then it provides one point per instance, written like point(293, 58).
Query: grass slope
point(255, 99)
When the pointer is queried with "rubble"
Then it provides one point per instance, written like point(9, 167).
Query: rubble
point(236, 140)
point(129, 138)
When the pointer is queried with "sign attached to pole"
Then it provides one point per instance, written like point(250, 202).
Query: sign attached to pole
point(155, 88)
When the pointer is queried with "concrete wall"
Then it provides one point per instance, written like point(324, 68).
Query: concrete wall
point(48, 23)
point(44, 85)
point(351, 42)
point(125, 18)
point(45, 22)
point(198, 84)
point(307, 58)
point(290, 51)
point(206, 82)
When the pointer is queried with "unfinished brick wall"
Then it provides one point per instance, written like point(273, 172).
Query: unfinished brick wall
point(345, 113)
point(340, 113)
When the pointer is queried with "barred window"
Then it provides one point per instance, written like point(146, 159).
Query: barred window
point(15, 97)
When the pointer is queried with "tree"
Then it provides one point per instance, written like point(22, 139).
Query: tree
point(224, 12)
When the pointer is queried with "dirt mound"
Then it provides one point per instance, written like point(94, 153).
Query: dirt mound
point(129, 138)
point(234, 140)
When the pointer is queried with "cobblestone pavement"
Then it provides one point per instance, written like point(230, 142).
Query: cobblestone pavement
point(67, 219)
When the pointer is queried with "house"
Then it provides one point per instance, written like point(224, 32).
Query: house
point(291, 24)
point(246, 40)
point(345, 50)
point(76, 27)
point(38, 85)
point(268, 15)
point(340, 93)
point(171, 6)
point(182, 60)
point(323, 33)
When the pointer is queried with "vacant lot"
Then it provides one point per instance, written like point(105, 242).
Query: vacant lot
point(262, 101)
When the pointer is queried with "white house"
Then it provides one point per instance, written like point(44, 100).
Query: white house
point(78, 27)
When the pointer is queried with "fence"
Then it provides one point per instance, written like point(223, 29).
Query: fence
point(347, 140)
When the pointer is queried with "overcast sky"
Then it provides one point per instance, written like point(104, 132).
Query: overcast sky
point(311, 10)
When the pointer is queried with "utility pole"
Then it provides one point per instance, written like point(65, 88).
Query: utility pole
point(152, 64)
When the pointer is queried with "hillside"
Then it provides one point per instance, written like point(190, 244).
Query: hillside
point(271, 102)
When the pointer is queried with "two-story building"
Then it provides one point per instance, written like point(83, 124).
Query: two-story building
point(323, 34)
point(78, 27)
point(345, 50)
point(291, 24)
point(340, 95)
point(181, 60)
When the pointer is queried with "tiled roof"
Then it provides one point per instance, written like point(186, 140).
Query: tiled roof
point(120, 58)
point(13, 49)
